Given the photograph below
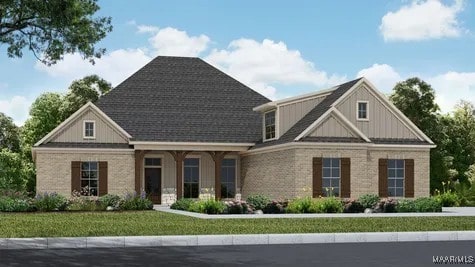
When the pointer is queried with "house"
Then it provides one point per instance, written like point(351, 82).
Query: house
point(180, 127)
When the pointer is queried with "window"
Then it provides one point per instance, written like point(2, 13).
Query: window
point(153, 162)
point(191, 178)
point(89, 178)
point(331, 177)
point(395, 177)
point(269, 125)
point(228, 178)
point(362, 110)
point(89, 129)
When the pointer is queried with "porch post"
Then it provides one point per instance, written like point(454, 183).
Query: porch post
point(217, 157)
point(139, 156)
point(179, 156)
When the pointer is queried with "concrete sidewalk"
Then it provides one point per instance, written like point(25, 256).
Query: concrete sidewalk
point(446, 212)
point(213, 240)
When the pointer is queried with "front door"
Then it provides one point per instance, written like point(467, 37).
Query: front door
point(153, 184)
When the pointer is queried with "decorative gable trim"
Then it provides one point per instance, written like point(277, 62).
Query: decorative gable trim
point(390, 106)
point(78, 113)
point(333, 111)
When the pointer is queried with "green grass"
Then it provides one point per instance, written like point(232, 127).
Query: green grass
point(161, 223)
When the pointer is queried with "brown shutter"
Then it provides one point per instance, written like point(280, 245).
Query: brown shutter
point(383, 178)
point(317, 177)
point(409, 178)
point(102, 178)
point(345, 183)
point(75, 176)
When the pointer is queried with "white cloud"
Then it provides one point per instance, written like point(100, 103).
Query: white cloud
point(17, 108)
point(420, 20)
point(113, 67)
point(383, 76)
point(147, 29)
point(451, 87)
point(262, 65)
point(172, 42)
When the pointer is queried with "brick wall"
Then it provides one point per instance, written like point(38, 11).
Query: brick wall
point(288, 173)
point(53, 170)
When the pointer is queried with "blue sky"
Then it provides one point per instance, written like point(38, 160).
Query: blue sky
point(279, 48)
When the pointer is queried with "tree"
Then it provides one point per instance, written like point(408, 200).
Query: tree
point(416, 99)
point(45, 115)
point(9, 134)
point(89, 88)
point(461, 129)
point(52, 28)
point(15, 173)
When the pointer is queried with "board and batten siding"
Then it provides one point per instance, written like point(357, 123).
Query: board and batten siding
point(331, 127)
point(382, 122)
point(105, 133)
point(289, 114)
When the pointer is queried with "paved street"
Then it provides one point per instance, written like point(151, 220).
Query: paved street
point(348, 254)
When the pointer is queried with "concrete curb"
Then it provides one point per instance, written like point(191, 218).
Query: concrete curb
point(446, 212)
point(218, 240)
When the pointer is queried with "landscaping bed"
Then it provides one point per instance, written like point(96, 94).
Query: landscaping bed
point(259, 204)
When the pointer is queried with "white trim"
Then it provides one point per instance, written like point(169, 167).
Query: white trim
point(264, 125)
point(93, 129)
point(341, 146)
point(358, 111)
point(74, 116)
point(82, 149)
point(189, 143)
point(313, 125)
point(349, 124)
point(294, 99)
point(202, 147)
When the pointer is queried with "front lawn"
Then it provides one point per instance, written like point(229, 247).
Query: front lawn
point(55, 224)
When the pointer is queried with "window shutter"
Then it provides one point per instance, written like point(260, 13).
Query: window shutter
point(75, 176)
point(409, 178)
point(102, 178)
point(345, 183)
point(317, 177)
point(383, 178)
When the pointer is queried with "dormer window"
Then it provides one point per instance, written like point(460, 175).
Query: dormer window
point(269, 125)
point(362, 110)
point(89, 129)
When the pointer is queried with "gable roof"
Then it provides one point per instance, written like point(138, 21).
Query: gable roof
point(300, 130)
point(72, 118)
point(183, 99)
point(323, 108)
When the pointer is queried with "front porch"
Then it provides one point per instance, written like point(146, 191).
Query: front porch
point(166, 175)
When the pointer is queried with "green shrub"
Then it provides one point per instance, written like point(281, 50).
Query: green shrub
point(275, 207)
point(237, 207)
point(301, 205)
point(110, 200)
point(352, 206)
point(327, 205)
point(50, 202)
point(84, 203)
point(259, 202)
point(369, 201)
point(466, 194)
point(405, 205)
point(427, 204)
point(447, 199)
point(135, 202)
point(182, 204)
point(14, 204)
point(209, 206)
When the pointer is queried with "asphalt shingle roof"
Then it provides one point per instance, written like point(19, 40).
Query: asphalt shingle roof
point(179, 99)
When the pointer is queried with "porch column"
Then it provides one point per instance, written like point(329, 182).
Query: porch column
point(179, 156)
point(217, 157)
point(139, 156)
